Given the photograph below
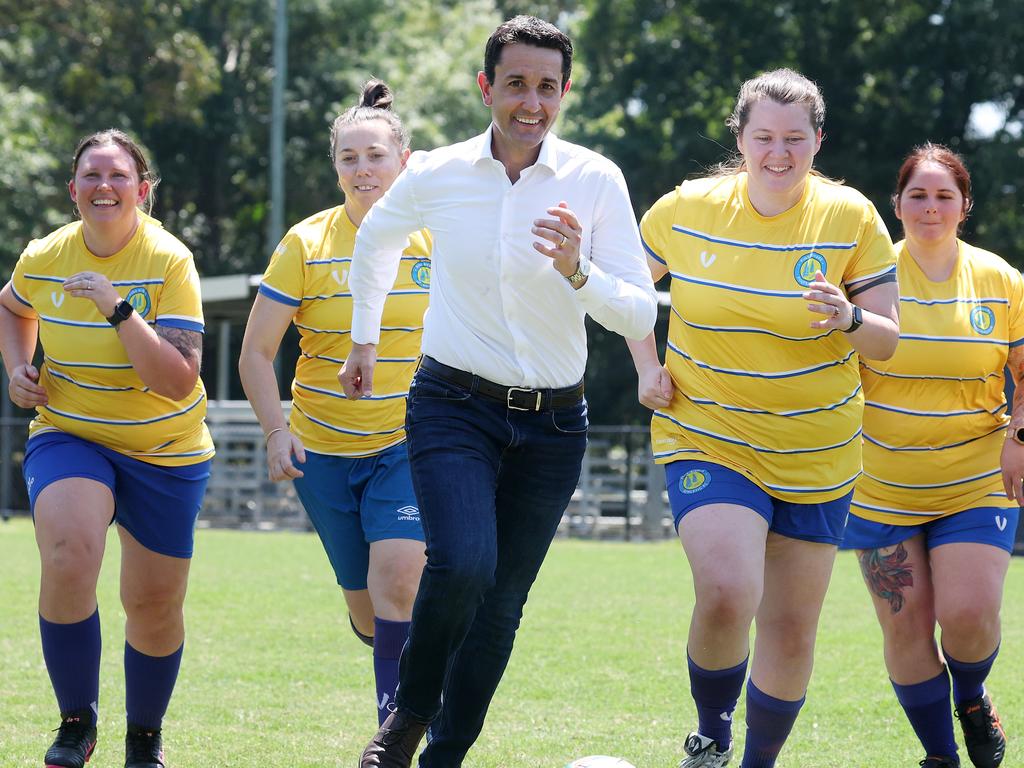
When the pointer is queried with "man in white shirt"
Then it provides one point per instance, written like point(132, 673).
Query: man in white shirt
point(530, 234)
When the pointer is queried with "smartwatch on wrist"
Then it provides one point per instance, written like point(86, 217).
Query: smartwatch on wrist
point(122, 311)
point(856, 319)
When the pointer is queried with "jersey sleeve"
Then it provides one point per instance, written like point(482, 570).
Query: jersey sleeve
point(875, 255)
point(656, 225)
point(180, 304)
point(20, 285)
point(283, 281)
point(1015, 294)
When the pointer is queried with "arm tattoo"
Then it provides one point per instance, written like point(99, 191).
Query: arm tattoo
point(887, 575)
point(188, 343)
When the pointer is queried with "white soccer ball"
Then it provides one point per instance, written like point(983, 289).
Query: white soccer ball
point(600, 761)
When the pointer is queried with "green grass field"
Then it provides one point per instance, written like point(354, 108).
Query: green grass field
point(273, 677)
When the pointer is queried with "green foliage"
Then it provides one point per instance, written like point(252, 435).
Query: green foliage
point(662, 77)
point(272, 670)
point(653, 83)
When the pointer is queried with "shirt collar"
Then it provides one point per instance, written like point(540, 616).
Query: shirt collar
point(548, 156)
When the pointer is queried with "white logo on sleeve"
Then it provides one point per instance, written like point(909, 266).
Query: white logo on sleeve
point(58, 298)
point(707, 260)
point(1001, 523)
point(339, 279)
point(408, 513)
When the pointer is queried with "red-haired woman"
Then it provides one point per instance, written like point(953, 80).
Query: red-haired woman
point(935, 512)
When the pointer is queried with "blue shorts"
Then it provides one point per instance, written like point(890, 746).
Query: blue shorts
point(157, 505)
point(353, 502)
point(693, 484)
point(979, 525)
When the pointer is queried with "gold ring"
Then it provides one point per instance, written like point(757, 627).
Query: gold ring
point(564, 241)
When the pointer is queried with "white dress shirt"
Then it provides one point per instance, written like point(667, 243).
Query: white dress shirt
point(498, 308)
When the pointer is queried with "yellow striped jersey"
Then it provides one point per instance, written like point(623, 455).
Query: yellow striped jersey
point(935, 412)
point(309, 271)
point(759, 390)
point(92, 388)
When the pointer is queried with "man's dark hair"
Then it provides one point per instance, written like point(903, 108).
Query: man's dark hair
point(532, 31)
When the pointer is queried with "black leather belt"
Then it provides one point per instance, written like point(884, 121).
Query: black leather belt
point(515, 398)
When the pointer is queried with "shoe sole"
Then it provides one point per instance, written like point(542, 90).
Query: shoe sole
point(88, 755)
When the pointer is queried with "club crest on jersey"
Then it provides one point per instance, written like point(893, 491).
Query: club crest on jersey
point(421, 273)
point(983, 320)
point(694, 480)
point(138, 297)
point(807, 265)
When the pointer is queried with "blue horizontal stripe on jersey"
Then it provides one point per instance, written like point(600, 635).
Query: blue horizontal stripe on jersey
point(926, 448)
point(742, 329)
point(757, 448)
point(343, 430)
point(75, 364)
point(45, 278)
point(278, 296)
point(931, 414)
point(803, 412)
point(125, 422)
point(341, 395)
point(94, 387)
point(763, 246)
point(923, 486)
point(181, 455)
point(325, 296)
point(931, 302)
point(145, 281)
point(756, 374)
point(76, 323)
point(927, 378)
point(891, 510)
point(952, 339)
point(736, 288)
point(1017, 343)
point(820, 489)
point(346, 259)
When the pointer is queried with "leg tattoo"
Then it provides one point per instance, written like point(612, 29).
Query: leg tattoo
point(887, 575)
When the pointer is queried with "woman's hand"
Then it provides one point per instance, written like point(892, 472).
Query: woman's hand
point(96, 288)
point(655, 388)
point(829, 300)
point(24, 387)
point(281, 446)
point(1012, 463)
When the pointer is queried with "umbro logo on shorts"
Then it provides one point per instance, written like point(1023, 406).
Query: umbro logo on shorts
point(408, 513)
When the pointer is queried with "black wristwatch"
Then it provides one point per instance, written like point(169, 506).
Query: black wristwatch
point(1017, 435)
point(856, 320)
point(122, 311)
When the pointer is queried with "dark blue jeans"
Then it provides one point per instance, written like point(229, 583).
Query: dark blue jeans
point(492, 484)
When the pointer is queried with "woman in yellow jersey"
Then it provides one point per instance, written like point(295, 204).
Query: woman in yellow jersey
point(935, 512)
point(758, 408)
point(118, 436)
point(348, 459)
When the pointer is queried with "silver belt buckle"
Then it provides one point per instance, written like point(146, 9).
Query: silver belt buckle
point(513, 407)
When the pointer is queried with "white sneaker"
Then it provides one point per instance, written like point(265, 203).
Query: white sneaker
point(702, 752)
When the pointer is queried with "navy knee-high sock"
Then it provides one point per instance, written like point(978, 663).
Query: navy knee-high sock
point(72, 656)
point(769, 721)
point(388, 640)
point(929, 713)
point(969, 677)
point(149, 683)
point(715, 692)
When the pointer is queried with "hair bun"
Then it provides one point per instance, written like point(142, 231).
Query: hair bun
point(376, 94)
